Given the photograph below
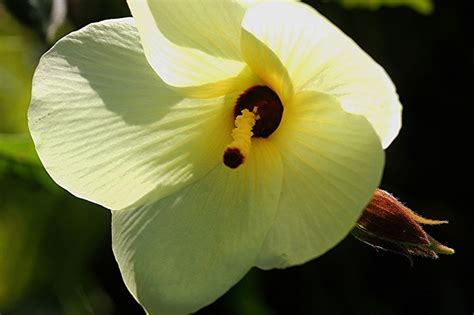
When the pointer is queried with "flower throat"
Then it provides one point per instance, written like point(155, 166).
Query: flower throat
point(258, 112)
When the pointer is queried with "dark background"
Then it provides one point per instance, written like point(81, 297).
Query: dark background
point(55, 250)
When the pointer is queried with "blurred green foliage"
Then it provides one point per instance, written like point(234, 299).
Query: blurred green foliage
point(19, 52)
point(47, 237)
point(19, 148)
point(421, 6)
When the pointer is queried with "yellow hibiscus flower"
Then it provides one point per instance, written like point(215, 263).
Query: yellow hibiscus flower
point(223, 135)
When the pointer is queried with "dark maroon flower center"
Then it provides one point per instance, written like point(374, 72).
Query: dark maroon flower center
point(269, 109)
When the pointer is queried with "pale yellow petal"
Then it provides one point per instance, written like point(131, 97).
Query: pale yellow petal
point(183, 252)
point(332, 164)
point(266, 65)
point(109, 130)
point(320, 57)
point(192, 45)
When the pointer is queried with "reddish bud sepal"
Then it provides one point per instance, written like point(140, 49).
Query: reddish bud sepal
point(388, 225)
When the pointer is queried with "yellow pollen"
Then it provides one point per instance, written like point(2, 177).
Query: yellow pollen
point(236, 152)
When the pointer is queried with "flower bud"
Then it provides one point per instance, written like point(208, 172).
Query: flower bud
point(388, 225)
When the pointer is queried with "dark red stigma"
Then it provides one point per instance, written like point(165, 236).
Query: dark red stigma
point(269, 109)
point(233, 158)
